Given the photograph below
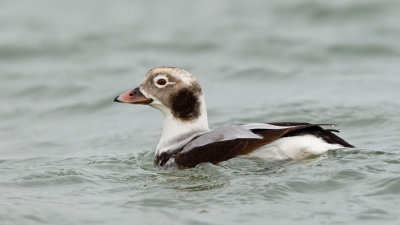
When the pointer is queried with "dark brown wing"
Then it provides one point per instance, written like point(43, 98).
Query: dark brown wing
point(220, 151)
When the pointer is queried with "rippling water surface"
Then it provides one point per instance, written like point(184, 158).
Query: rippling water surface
point(69, 155)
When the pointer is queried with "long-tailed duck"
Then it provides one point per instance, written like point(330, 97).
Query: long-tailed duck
point(187, 141)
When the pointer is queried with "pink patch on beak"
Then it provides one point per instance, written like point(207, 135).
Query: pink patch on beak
point(133, 97)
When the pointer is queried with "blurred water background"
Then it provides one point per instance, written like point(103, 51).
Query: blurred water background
point(69, 155)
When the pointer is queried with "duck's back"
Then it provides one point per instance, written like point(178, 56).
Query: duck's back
point(284, 140)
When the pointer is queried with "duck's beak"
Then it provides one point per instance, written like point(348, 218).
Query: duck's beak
point(133, 97)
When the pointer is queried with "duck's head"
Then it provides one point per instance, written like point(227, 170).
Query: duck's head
point(172, 90)
point(178, 95)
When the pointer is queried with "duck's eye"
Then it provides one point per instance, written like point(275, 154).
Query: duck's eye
point(161, 82)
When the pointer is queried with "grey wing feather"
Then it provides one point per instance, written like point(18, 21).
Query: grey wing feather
point(222, 134)
point(263, 126)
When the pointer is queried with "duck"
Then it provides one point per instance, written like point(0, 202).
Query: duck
point(187, 141)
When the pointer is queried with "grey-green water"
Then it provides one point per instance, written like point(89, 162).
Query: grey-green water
point(69, 155)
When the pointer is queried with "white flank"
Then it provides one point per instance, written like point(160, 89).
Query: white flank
point(297, 147)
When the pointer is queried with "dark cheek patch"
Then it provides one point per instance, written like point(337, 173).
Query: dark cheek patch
point(185, 105)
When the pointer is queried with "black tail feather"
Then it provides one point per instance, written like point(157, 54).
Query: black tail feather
point(326, 134)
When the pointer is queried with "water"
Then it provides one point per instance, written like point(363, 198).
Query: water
point(69, 155)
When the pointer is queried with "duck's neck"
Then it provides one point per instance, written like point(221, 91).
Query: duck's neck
point(176, 131)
